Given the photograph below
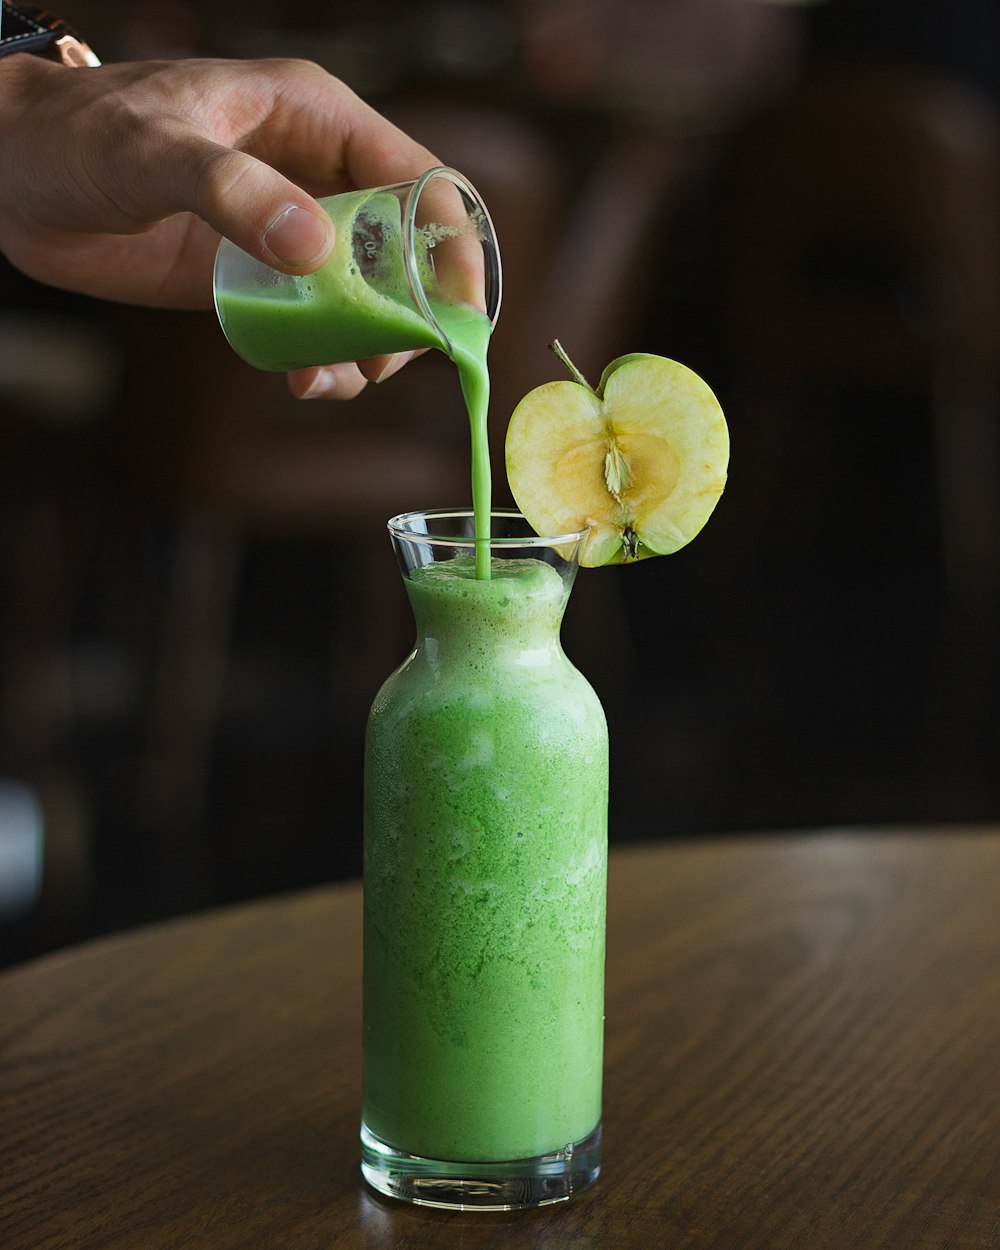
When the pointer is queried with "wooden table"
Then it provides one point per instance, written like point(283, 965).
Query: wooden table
point(803, 1050)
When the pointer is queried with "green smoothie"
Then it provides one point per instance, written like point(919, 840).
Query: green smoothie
point(485, 862)
point(356, 306)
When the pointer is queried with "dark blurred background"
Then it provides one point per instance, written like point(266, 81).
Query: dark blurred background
point(197, 598)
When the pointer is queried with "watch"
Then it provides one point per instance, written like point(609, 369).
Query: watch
point(26, 28)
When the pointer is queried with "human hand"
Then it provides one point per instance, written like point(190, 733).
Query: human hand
point(118, 181)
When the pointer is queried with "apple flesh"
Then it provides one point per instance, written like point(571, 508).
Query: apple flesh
point(641, 459)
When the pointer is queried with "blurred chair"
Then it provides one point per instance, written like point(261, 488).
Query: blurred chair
point(866, 251)
point(229, 458)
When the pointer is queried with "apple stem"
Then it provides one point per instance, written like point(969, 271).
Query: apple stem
point(557, 347)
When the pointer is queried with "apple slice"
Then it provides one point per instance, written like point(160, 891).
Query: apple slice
point(641, 459)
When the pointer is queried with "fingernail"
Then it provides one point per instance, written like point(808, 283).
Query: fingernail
point(324, 383)
point(394, 364)
point(297, 236)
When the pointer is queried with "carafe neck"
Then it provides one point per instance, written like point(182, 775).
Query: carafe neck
point(513, 616)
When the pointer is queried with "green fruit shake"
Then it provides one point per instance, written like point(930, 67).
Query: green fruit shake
point(357, 305)
point(485, 863)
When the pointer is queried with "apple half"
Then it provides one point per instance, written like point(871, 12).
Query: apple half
point(641, 459)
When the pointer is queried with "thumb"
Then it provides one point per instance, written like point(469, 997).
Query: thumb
point(297, 239)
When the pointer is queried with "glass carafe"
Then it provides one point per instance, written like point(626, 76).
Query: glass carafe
point(486, 778)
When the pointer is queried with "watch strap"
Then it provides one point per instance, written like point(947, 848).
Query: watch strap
point(25, 28)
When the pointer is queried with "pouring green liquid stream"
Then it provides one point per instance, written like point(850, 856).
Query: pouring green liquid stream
point(469, 335)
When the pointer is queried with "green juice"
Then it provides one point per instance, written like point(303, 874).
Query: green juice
point(357, 305)
point(282, 331)
point(485, 864)
point(469, 339)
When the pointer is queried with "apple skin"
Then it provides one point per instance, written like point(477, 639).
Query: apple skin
point(641, 459)
point(617, 364)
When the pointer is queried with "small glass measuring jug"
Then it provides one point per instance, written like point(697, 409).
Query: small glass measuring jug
point(409, 261)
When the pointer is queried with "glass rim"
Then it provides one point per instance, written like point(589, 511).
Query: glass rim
point(411, 268)
point(397, 528)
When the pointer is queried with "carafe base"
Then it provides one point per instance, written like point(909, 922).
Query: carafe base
point(506, 1185)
